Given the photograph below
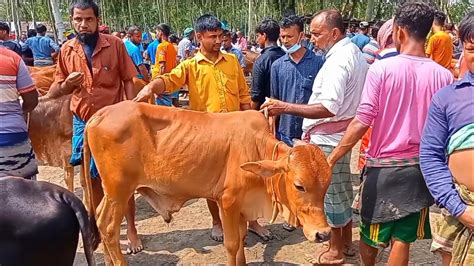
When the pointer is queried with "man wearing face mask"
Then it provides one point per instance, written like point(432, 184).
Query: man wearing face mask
point(96, 69)
point(333, 103)
point(292, 76)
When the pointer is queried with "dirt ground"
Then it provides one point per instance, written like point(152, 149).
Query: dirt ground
point(186, 239)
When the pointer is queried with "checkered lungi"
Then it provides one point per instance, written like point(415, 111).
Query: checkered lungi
point(339, 197)
point(18, 160)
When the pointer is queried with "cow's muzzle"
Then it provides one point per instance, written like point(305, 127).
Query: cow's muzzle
point(322, 237)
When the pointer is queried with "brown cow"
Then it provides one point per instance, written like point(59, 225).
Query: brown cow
point(43, 77)
point(50, 124)
point(50, 131)
point(250, 58)
point(171, 155)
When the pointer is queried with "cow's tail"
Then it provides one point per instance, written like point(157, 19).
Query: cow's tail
point(89, 194)
point(90, 233)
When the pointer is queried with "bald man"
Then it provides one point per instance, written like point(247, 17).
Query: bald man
point(333, 103)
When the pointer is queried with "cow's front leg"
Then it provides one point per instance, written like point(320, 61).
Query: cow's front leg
point(243, 233)
point(110, 214)
point(230, 217)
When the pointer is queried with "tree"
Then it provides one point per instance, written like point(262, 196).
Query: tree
point(58, 21)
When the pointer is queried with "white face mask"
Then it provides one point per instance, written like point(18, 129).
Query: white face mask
point(293, 48)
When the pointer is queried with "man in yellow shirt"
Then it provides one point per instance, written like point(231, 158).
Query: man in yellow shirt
point(440, 44)
point(216, 84)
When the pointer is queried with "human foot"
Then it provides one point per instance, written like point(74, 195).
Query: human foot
point(134, 243)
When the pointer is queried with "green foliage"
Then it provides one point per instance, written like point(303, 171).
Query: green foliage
point(119, 14)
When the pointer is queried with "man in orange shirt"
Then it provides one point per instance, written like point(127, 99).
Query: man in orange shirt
point(166, 60)
point(440, 44)
point(96, 69)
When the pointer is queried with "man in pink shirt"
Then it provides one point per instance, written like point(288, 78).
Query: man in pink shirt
point(395, 101)
point(241, 41)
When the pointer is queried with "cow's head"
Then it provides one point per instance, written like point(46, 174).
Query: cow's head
point(300, 181)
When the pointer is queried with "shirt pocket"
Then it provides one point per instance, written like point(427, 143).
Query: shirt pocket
point(106, 76)
point(230, 82)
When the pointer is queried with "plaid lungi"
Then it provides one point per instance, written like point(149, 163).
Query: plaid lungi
point(18, 160)
point(451, 236)
point(339, 197)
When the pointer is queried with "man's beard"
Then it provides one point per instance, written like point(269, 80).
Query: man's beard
point(87, 38)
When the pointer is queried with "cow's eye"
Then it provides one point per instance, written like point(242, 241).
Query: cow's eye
point(299, 188)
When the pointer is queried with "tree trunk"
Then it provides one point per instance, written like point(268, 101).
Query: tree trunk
point(321, 4)
point(370, 10)
point(58, 21)
point(249, 29)
point(130, 17)
point(51, 20)
point(16, 18)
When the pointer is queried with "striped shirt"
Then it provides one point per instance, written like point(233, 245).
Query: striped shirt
point(14, 81)
point(370, 50)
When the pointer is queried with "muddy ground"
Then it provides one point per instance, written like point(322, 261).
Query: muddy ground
point(186, 239)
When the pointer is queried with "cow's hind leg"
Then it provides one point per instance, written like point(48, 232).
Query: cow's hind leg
point(110, 214)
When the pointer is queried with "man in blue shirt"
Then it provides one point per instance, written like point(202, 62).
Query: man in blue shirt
point(292, 76)
point(43, 47)
point(361, 39)
point(151, 50)
point(446, 160)
point(228, 47)
point(134, 50)
point(5, 39)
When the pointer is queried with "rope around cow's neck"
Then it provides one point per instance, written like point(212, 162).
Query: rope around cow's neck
point(276, 205)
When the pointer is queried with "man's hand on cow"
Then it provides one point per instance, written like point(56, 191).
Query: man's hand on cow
point(275, 107)
point(144, 94)
point(73, 80)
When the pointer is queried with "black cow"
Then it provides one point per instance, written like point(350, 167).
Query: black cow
point(40, 222)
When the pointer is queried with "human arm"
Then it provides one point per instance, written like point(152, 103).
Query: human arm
point(244, 95)
point(355, 131)
point(129, 88)
point(161, 57)
point(144, 72)
point(166, 83)
point(257, 92)
point(433, 160)
point(26, 88)
point(330, 96)
point(64, 82)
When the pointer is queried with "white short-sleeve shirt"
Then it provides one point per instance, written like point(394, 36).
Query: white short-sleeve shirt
point(338, 87)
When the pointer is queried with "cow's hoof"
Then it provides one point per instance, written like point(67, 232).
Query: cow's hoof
point(216, 233)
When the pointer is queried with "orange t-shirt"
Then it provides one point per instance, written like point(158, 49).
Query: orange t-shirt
point(168, 54)
point(440, 49)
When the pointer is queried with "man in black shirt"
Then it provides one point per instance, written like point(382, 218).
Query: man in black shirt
point(268, 32)
point(5, 39)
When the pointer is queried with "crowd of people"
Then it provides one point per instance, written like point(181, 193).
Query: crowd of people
point(404, 86)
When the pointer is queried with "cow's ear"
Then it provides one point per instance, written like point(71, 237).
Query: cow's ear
point(265, 168)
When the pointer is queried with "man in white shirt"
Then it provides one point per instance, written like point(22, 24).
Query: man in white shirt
point(336, 95)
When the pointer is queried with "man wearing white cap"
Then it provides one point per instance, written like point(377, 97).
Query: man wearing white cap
point(185, 45)
point(361, 39)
